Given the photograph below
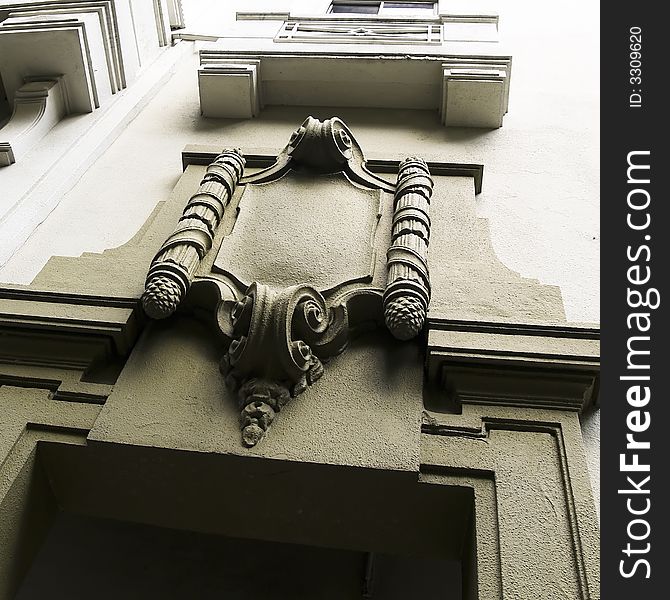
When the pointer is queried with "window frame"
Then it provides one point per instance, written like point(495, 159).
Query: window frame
point(380, 8)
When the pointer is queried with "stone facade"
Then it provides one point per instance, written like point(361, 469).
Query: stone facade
point(258, 287)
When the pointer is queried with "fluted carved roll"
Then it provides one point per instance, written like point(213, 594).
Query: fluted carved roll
point(175, 264)
point(407, 292)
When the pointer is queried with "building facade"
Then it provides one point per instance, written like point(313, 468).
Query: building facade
point(297, 301)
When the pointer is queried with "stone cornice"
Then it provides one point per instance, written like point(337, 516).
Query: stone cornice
point(524, 365)
point(65, 330)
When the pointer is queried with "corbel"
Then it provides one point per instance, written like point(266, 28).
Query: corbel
point(38, 105)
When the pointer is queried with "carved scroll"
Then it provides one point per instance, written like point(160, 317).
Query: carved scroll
point(174, 266)
point(407, 292)
point(323, 147)
point(279, 340)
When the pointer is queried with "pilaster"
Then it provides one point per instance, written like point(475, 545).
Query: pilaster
point(536, 532)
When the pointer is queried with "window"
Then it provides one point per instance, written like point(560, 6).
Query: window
point(387, 9)
point(357, 9)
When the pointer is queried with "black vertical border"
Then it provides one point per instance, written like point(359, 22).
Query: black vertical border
point(625, 129)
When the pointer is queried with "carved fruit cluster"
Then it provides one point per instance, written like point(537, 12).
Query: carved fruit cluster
point(260, 399)
point(405, 317)
point(161, 297)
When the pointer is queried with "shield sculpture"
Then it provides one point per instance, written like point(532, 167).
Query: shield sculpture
point(290, 296)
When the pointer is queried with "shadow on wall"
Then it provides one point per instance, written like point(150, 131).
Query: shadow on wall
point(5, 107)
point(387, 120)
point(109, 560)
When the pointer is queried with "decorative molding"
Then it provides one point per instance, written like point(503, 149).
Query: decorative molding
point(38, 106)
point(278, 337)
point(176, 13)
point(198, 154)
point(495, 443)
point(521, 365)
point(176, 263)
point(64, 386)
point(162, 22)
point(31, 420)
point(328, 31)
point(280, 340)
point(500, 65)
point(442, 169)
point(323, 147)
point(104, 10)
point(407, 291)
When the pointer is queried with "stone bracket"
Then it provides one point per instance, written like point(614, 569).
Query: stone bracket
point(230, 89)
point(474, 94)
point(38, 105)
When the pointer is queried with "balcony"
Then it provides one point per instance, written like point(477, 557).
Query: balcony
point(450, 64)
